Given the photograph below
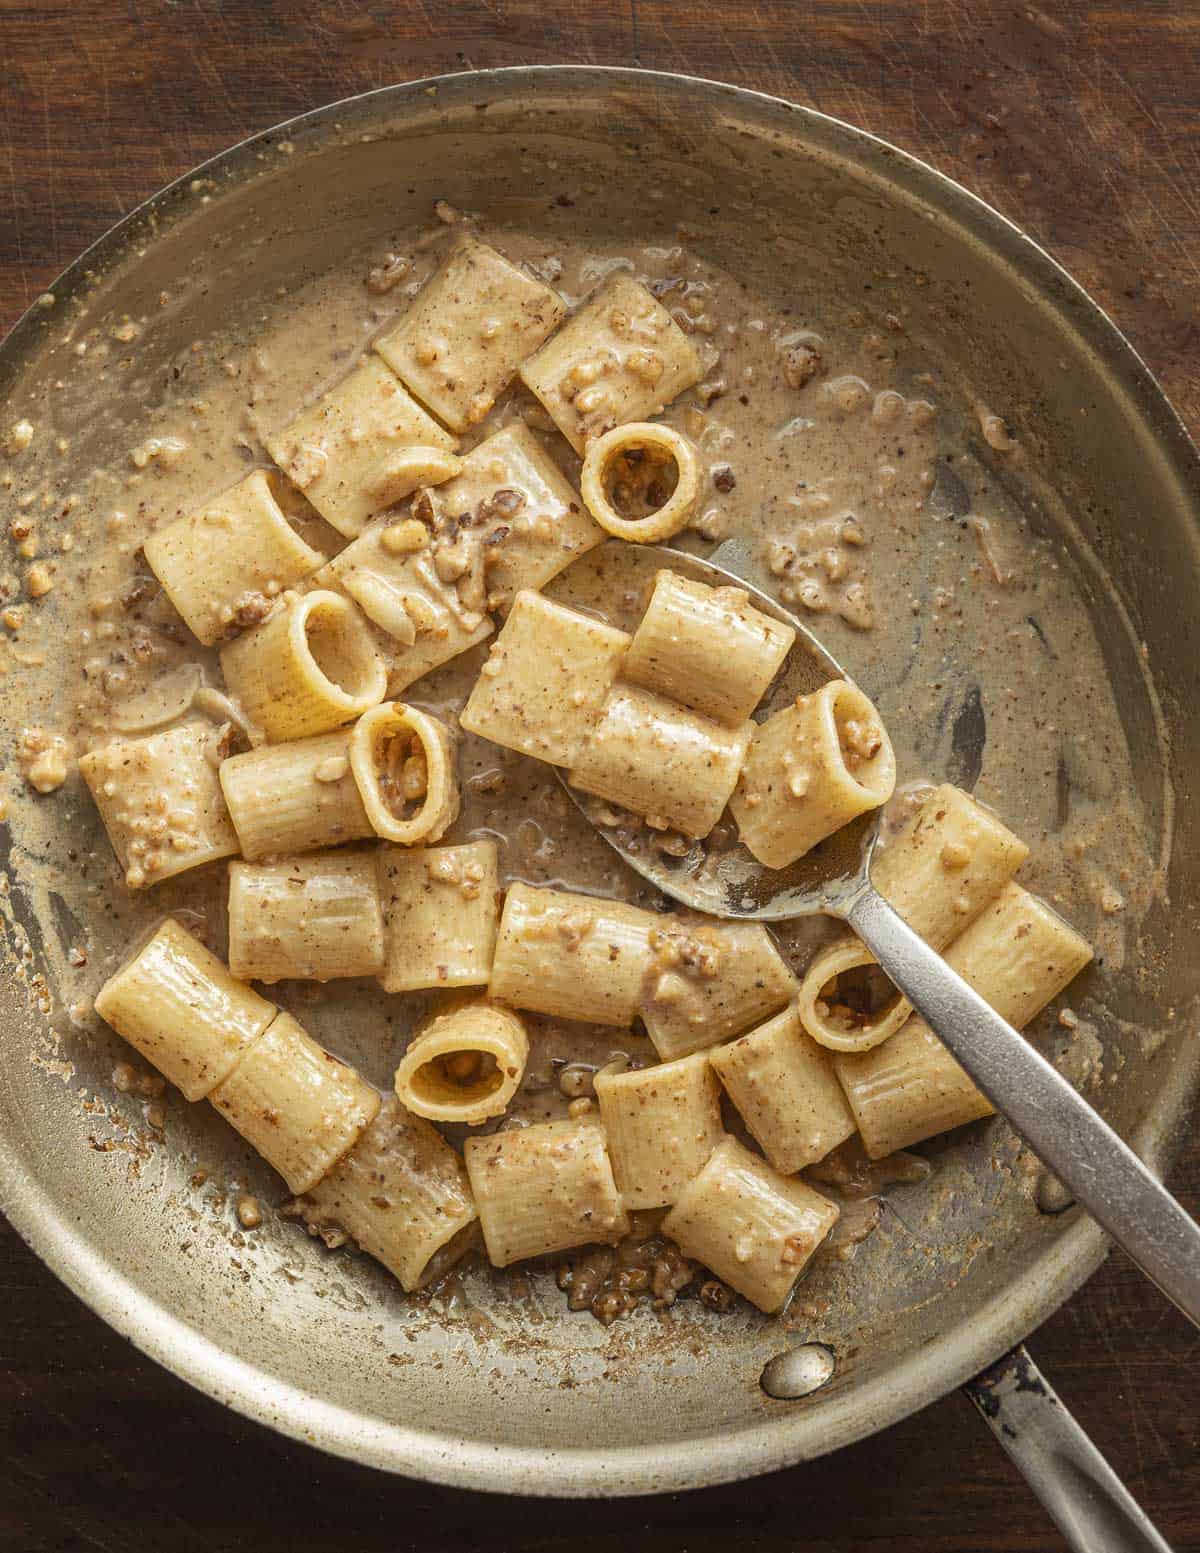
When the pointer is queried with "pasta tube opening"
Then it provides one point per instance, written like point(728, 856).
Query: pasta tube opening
point(307, 669)
point(641, 481)
point(846, 1001)
point(339, 652)
point(403, 764)
point(465, 1065)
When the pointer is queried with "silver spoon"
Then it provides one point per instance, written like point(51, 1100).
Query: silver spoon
point(1066, 1134)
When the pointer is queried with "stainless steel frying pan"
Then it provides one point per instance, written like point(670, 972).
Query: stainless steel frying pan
point(504, 1390)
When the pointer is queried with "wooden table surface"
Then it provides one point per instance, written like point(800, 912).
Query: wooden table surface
point(1081, 122)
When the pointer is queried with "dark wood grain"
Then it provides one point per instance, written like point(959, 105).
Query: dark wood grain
point(1081, 122)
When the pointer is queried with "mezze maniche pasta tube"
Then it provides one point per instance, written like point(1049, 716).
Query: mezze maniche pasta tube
point(754, 1228)
point(1018, 955)
point(464, 1064)
point(939, 872)
point(811, 769)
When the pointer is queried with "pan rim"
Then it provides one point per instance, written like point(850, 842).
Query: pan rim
point(776, 1441)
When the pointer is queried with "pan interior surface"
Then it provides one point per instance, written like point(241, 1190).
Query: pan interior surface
point(493, 1384)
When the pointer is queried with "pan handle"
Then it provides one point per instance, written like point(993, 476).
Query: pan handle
point(1084, 1496)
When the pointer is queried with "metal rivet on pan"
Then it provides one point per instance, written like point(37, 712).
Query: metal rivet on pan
point(798, 1372)
point(1051, 1195)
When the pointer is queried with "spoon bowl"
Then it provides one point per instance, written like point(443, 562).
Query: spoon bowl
point(718, 875)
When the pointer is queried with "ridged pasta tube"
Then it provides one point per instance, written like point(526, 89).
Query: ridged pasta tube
point(161, 802)
point(314, 918)
point(467, 331)
point(238, 548)
point(657, 465)
point(310, 667)
point(439, 914)
point(544, 1188)
point(1018, 955)
point(403, 761)
point(289, 798)
point(464, 1065)
point(621, 357)
point(179, 1006)
point(810, 770)
point(572, 956)
point(939, 873)
point(402, 1195)
point(659, 760)
point(545, 680)
point(296, 1103)
point(662, 1124)
point(756, 1229)
point(342, 451)
point(707, 648)
point(707, 981)
point(786, 1092)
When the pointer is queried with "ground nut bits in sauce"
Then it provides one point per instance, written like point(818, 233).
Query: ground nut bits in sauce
point(825, 440)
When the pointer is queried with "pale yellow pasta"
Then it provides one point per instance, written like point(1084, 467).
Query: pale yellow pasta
point(289, 798)
point(179, 1006)
point(352, 453)
point(662, 1123)
point(707, 648)
point(1018, 954)
point(543, 685)
point(311, 666)
point(439, 915)
point(544, 1188)
point(225, 560)
point(161, 802)
point(467, 331)
point(296, 1103)
point(810, 770)
point(708, 981)
point(530, 518)
point(419, 621)
point(621, 357)
point(465, 1064)
point(939, 873)
point(573, 956)
point(754, 1228)
point(402, 1194)
point(659, 760)
point(403, 761)
point(786, 1092)
point(314, 918)
point(665, 463)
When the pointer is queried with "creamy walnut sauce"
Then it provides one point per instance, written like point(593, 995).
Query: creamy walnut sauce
point(828, 439)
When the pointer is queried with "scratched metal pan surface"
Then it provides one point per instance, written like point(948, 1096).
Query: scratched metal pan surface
point(508, 1392)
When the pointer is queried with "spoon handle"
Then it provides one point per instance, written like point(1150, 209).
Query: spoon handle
point(1062, 1129)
